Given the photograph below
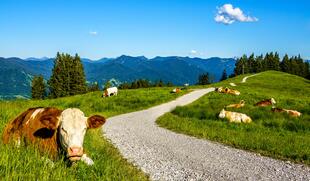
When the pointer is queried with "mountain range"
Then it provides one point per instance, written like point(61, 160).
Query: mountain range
point(16, 74)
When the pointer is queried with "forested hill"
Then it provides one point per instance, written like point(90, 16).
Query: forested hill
point(16, 74)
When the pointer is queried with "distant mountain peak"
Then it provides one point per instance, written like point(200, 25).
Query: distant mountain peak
point(36, 59)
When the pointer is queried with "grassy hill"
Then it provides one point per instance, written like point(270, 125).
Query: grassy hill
point(28, 164)
point(273, 134)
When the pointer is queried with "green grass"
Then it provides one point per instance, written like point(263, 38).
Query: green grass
point(273, 134)
point(26, 163)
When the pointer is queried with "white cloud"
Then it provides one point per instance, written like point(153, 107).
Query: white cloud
point(227, 14)
point(93, 33)
point(193, 52)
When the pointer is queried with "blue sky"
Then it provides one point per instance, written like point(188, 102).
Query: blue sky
point(110, 28)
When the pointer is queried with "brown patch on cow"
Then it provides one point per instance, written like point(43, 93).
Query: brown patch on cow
point(95, 121)
point(40, 129)
point(293, 113)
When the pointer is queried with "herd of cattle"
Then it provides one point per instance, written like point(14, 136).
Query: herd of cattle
point(62, 131)
point(237, 117)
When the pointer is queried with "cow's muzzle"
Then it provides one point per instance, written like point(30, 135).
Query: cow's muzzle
point(75, 153)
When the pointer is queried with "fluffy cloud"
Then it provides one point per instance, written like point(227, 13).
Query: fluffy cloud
point(227, 14)
point(93, 33)
point(193, 52)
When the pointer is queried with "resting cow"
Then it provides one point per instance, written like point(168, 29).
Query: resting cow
point(239, 105)
point(54, 131)
point(288, 111)
point(266, 102)
point(227, 91)
point(235, 117)
point(176, 90)
point(110, 92)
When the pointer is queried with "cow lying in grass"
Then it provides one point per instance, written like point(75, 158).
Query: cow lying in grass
point(288, 111)
point(239, 105)
point(235, 117)
point(266, 102)
point(227, 90)
point(54, 131)
point(176, 90)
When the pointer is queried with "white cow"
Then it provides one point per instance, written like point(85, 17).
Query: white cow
point(110, 91)
point(235, 117)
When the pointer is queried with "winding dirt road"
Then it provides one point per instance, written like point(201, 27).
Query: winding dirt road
point(166, 155)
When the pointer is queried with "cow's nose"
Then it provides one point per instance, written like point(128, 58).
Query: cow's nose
point(75, 151)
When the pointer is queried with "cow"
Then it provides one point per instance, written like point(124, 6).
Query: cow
point(235, 117)
point(54, 131)
point(288, 111)
point(176, 90)
point(239, 105)
point(110, 92)
point(266, 102)
point(227, 90)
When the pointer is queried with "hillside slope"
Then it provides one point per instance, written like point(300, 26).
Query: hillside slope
point(274, 134)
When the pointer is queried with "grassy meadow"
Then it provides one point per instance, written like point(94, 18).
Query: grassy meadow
point(26, 163)
point(273, 134)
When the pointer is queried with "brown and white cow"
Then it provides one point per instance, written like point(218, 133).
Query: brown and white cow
point(293, 113)
point(239, 105)
point(54, 131)
point(266, 102)
point(227, 90)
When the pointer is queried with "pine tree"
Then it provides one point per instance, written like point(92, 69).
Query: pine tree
point(250, 64)
point(38, 87)
point(67, 77)
point(76, 76)
point(276, 61)
point(258, 64)
point(55, 82)
point(241, 66)
point(203, 79)
point(224, 75)
point(285, 64)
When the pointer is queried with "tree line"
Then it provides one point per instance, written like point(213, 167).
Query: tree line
point(68, 77)
point(271, 61)
point(143, 83)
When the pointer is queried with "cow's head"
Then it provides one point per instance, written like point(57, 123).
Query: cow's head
point(72, 128)
point(222, 114)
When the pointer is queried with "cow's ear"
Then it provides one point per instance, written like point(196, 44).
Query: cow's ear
point(51, 122)
point(95, 121)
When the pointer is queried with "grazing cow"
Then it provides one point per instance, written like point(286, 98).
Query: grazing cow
point(176, 90)
point(288, 111)
point(239, 105)
point(227, 90)
point(110, 91)
point(235, 117)
point(266, 102)
point(54, 131)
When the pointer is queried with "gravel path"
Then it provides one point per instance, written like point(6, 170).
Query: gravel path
point(166, 155)
point(245, 78)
